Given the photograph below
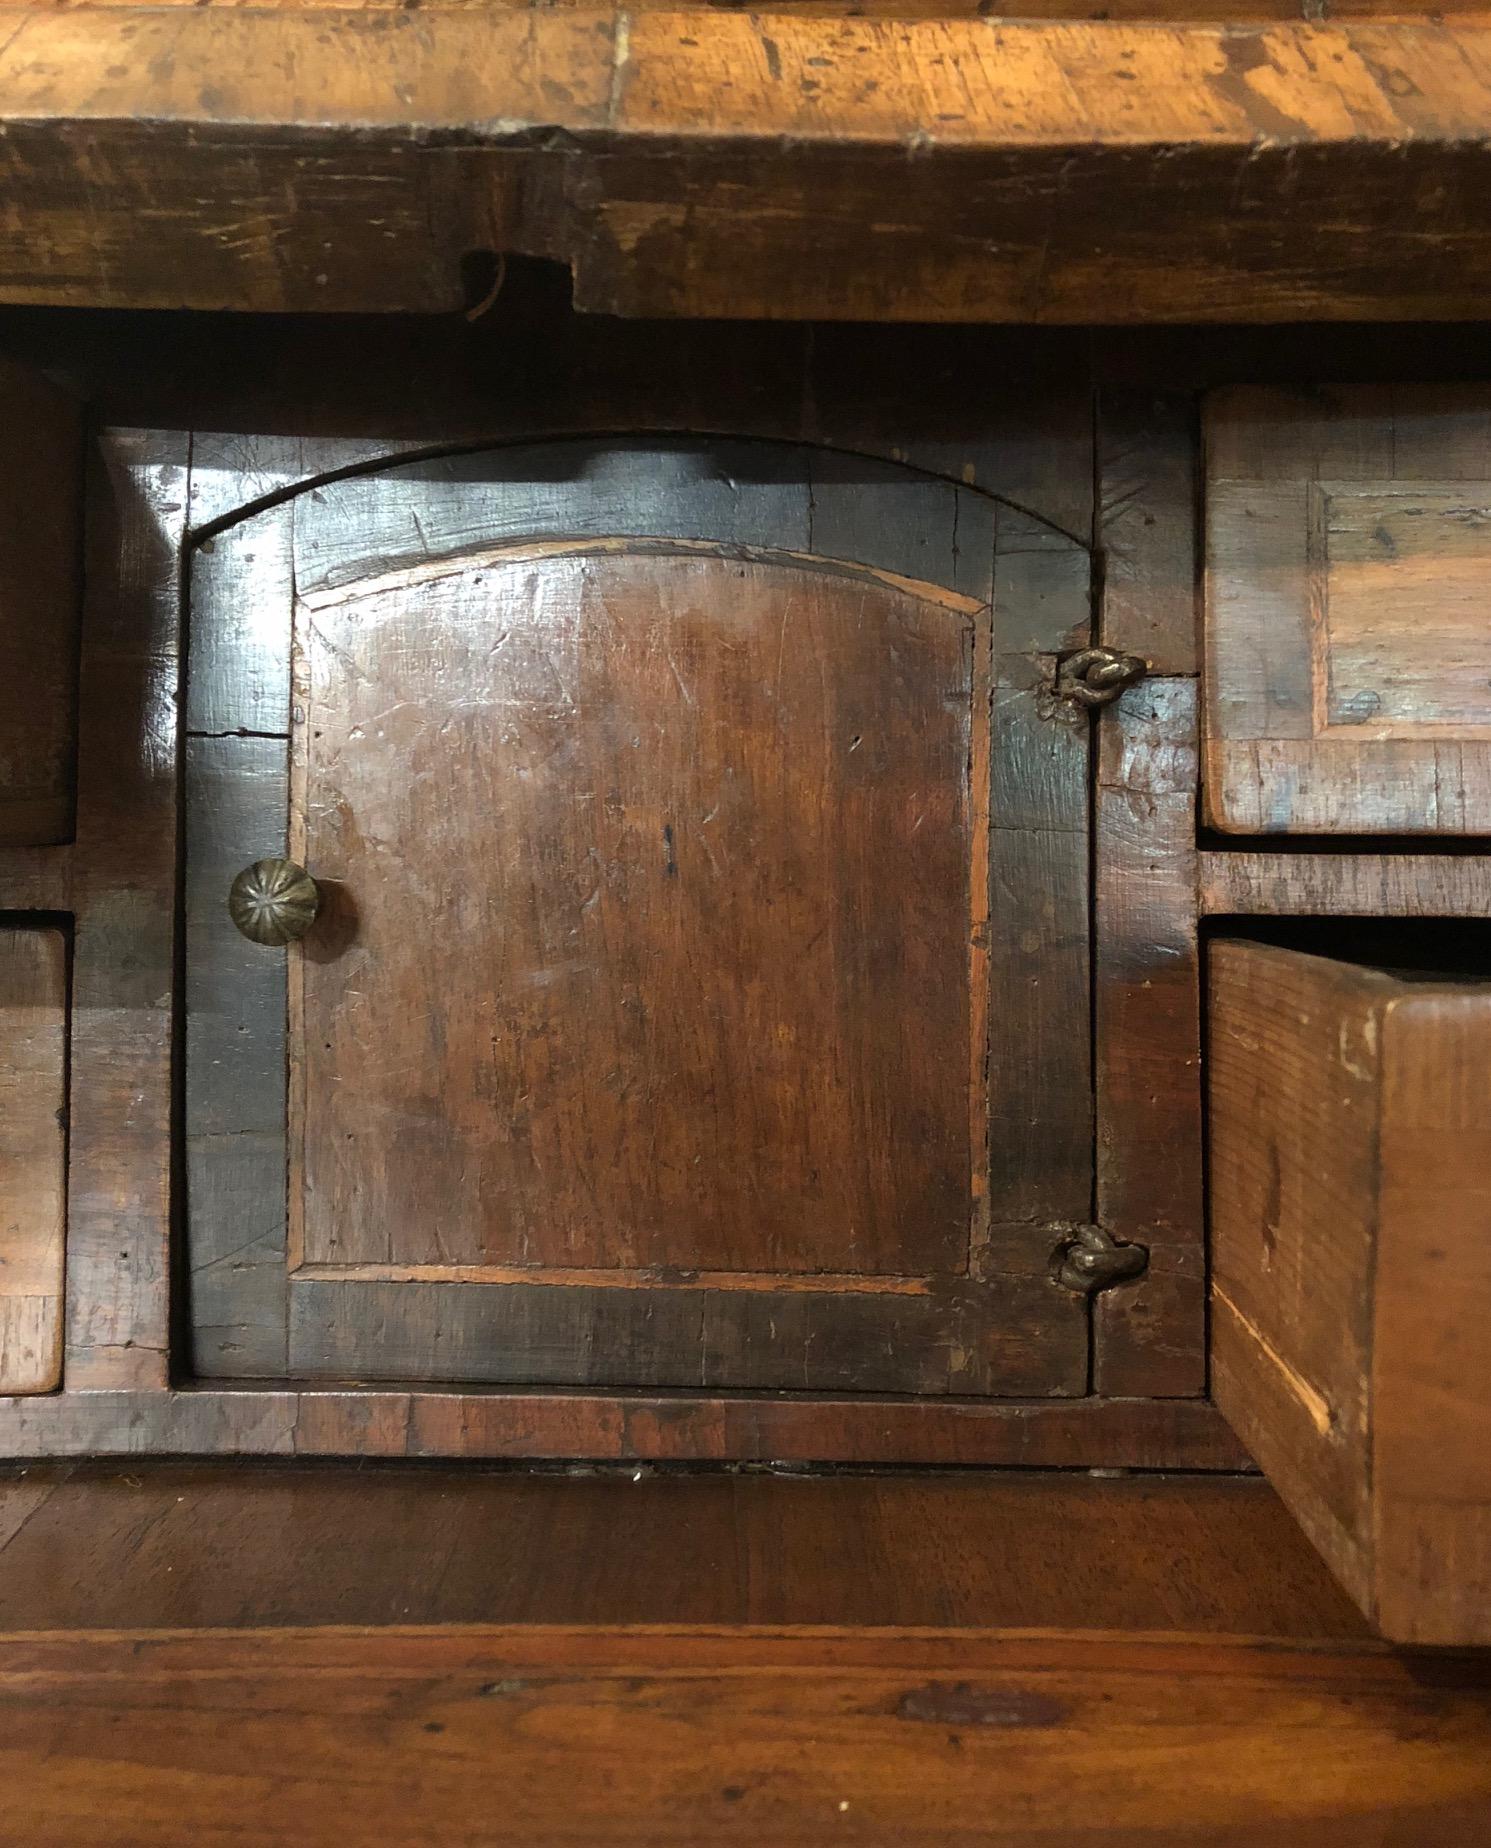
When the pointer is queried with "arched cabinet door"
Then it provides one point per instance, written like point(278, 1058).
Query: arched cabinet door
point(649, 1032)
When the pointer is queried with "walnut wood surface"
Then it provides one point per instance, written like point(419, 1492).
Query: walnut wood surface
point(1343, 884)
point(1348, 656)
point(33, 1101)
point(662, 862)
point(1149, 1336)
point(41, 514)
point(699, 1735)
point(1351, 1221)
point(367, 1309)
point(257, 1420)
point(1132, 172)
point(1148, 495)
point(124, 898)
point(155, 1546)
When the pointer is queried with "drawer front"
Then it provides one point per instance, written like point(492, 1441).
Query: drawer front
point(1351, 1269)
point(33, 1034)
point(1348, 611)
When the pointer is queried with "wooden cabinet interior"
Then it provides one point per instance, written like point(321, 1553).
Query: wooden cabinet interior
point(992, 503)
point(41, 526)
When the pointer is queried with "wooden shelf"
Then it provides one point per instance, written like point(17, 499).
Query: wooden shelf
point(715, 164)
point(151, 1545)
point(417, 1655)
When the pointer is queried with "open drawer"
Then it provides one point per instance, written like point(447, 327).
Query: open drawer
point(1351, 1282)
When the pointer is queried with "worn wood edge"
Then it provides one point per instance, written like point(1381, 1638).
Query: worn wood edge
point(612, 143)
point(1451, 1601)
point(598, 73)
point(1246, 883)
point(1149, 1336)
point(32, 1237)
point(682, 1648)
point(573, 1425)
point(120, 1153)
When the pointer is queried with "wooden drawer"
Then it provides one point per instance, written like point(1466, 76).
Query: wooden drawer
point(1351, 1269)
point(33, 1034)
point(1348, 611)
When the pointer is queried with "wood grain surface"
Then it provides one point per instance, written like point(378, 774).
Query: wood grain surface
point(347, 1421)
point(687, 1736)
point(1345, 884)
point(1351, 1199)
point(662, 863)
point(1130, 172)
point(1347, 653)
point(1149, 1336)
point(33, 1144)
point(124, 895)
point(142, 1546)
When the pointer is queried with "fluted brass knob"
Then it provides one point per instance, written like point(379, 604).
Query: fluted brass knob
point(273, 901)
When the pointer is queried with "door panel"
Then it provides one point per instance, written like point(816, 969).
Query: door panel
point(644, 1037)
point(661, 865)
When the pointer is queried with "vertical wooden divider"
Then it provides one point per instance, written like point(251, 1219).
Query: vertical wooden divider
point(1149, 1337)
point(119, 1192)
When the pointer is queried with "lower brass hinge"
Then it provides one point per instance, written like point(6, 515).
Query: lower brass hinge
point(1088, 1259)
point(1095, 677)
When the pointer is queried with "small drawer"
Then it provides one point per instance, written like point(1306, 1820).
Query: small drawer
point(1348, 611)
point(33, 1062)
point(1351, 1269)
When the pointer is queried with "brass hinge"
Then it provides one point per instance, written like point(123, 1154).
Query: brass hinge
point(1088, 1259)
point(1096, 677)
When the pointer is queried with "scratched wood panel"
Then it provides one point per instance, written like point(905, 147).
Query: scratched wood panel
point(1351, 1179)
point(124, 894)
point(1348, 656)
point(1146, 526)
point(661, 865)
point(366, 1421)
point(1362, 885)
point(33, 1071)
point(92, 1546)
point(1200, 171)
point(677, 1734)
point(443, 1308)
point(1149, 1335)
point(1175, 11)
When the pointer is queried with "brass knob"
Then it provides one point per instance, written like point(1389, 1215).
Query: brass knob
point(274, 901)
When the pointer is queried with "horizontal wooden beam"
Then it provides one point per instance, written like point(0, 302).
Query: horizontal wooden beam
point(621, 1428)
point(1362, 885)
point(718, 164)
point(540, 1735)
